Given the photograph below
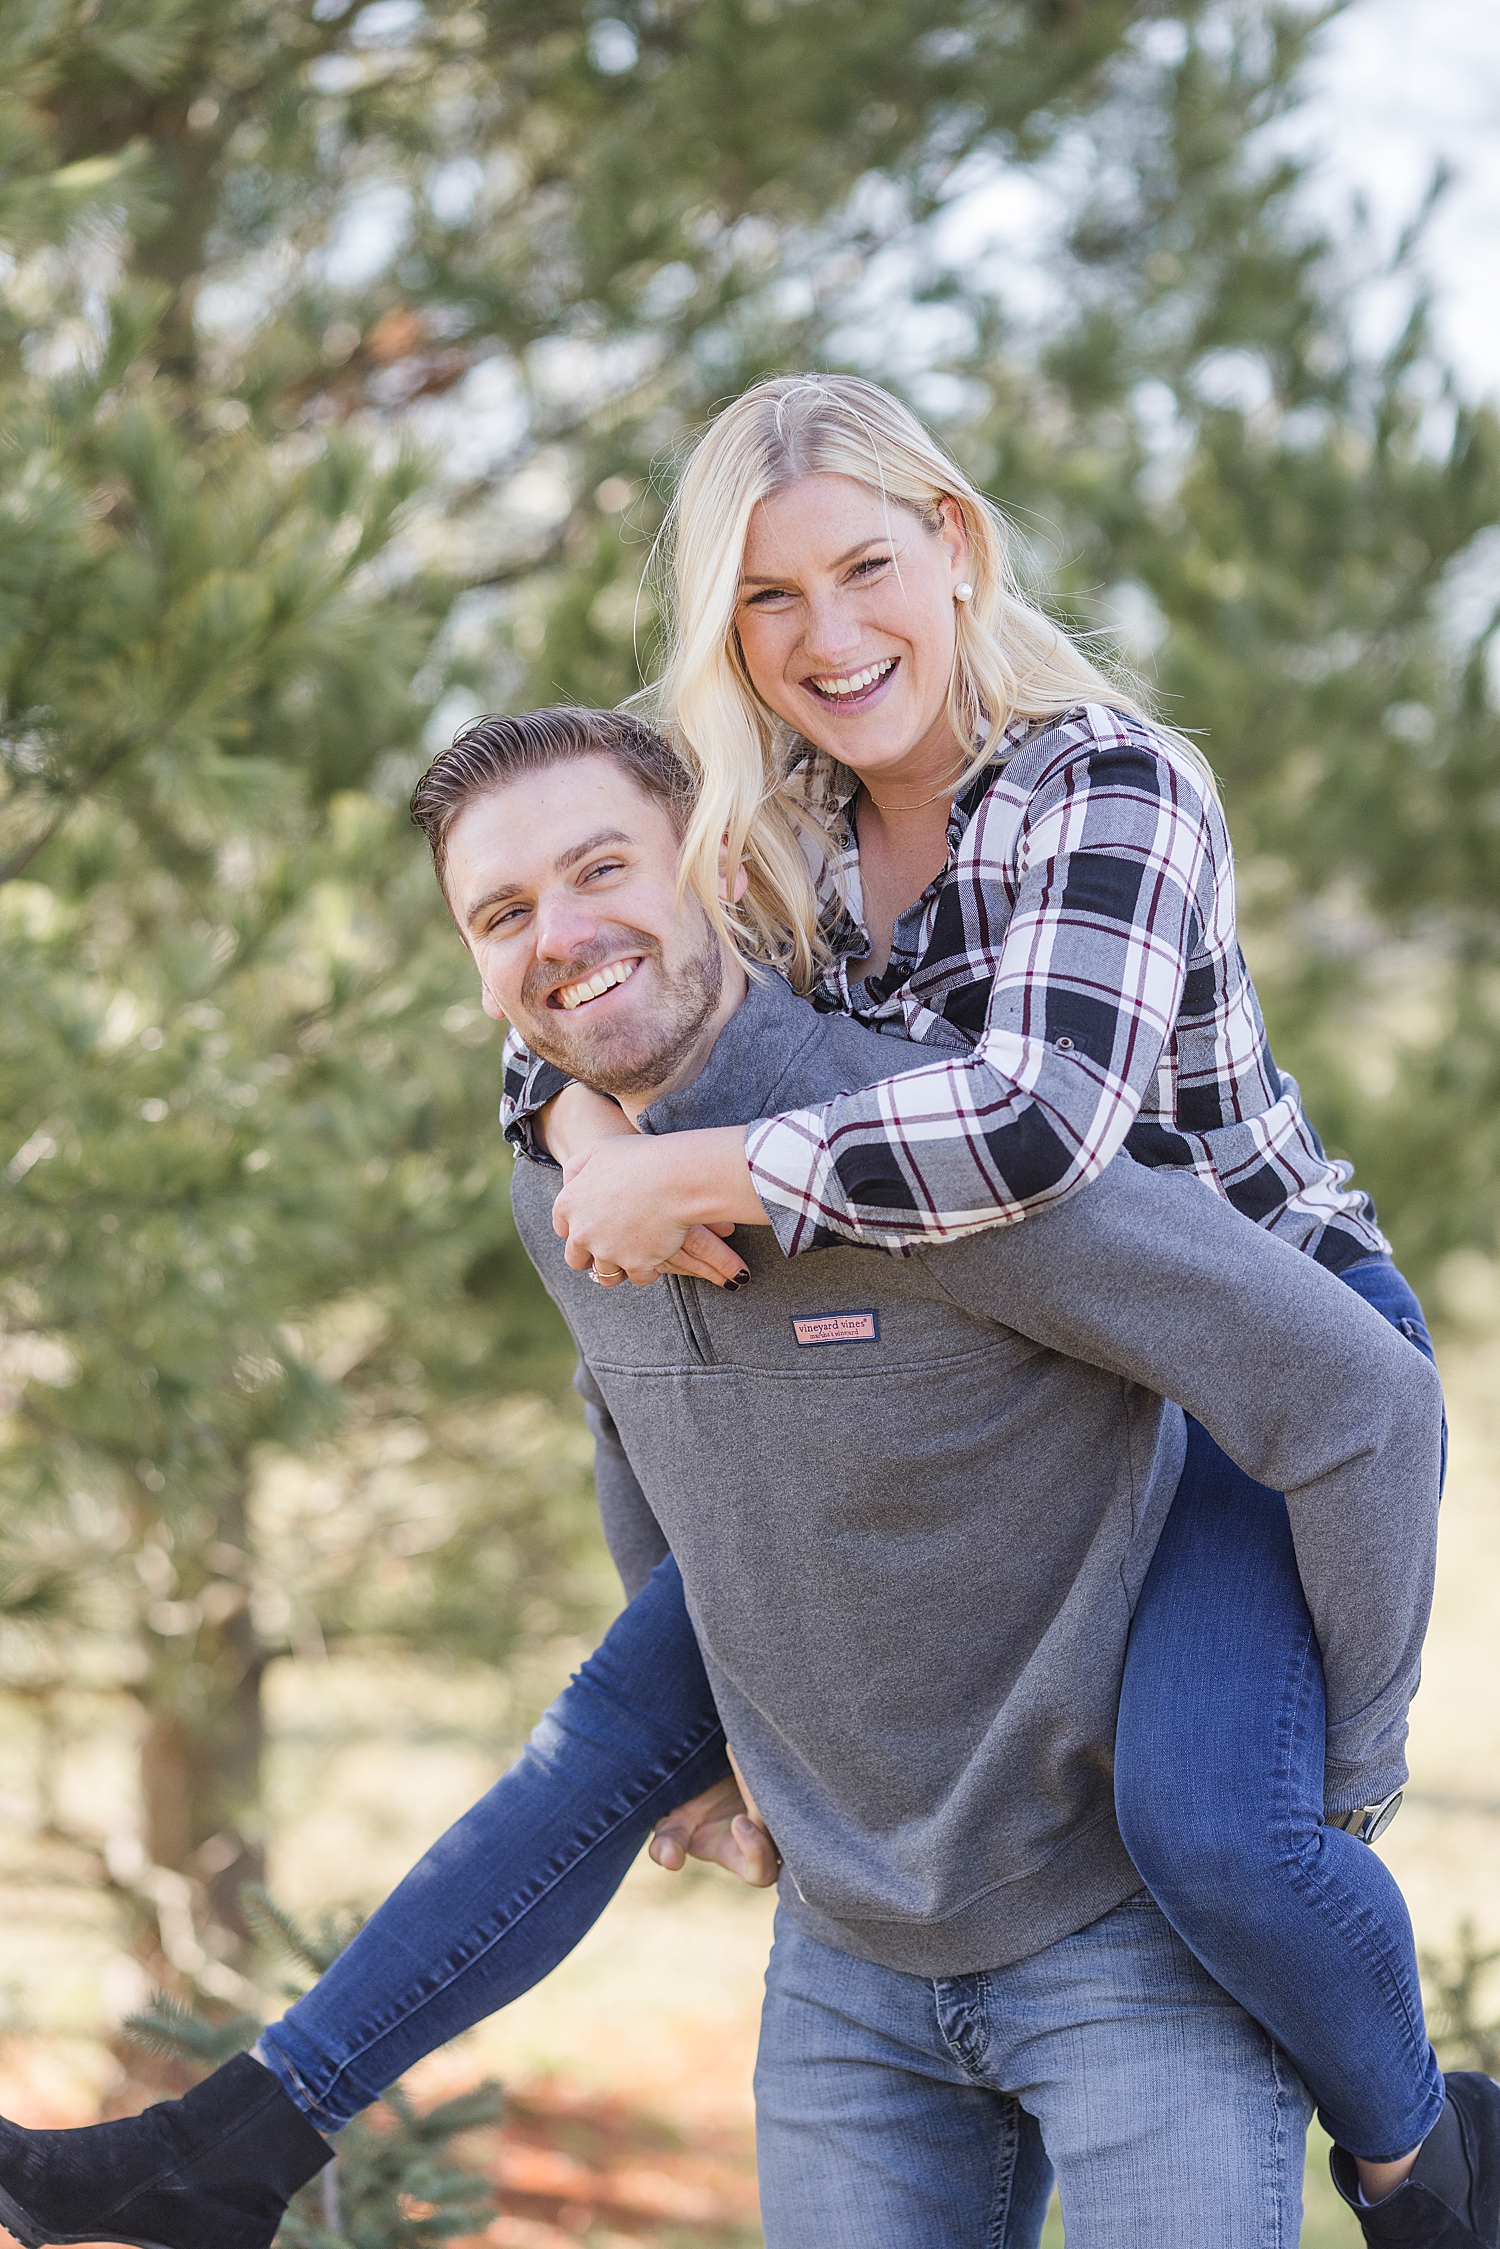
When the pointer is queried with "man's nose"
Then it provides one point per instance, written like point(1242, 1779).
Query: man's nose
point(565, 928)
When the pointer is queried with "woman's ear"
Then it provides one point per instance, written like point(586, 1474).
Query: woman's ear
point(731, 894)
point(955, 537)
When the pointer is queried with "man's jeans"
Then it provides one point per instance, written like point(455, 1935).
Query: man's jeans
point(908, 2113)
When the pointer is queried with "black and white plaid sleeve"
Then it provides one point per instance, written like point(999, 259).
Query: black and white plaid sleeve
point(1084, 891)
point(527, 1085)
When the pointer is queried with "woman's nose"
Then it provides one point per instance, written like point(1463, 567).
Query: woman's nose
point(832, 633)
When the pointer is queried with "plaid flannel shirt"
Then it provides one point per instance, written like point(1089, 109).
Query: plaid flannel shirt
point(1076, 970)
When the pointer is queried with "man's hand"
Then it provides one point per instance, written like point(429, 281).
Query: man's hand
point(634, 1208)
point(717, 1827)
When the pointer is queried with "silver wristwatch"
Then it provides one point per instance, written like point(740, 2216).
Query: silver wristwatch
point(1367, 1822)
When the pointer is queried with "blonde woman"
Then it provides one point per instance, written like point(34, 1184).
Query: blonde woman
point(957, 829)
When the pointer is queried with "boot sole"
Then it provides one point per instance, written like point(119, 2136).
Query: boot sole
point(27, 2233)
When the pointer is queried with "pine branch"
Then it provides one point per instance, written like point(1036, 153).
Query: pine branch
point(166, 2026)
point(315, 1950)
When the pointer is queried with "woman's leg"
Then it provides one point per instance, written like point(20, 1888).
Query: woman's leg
point(1219, 1785)
point(496, 1903)
point(514, 1884)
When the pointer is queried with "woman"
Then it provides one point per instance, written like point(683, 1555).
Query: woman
point(952, 825)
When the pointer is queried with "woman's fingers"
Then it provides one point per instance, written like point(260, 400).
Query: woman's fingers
point(705, 1256)
point(624, 1208)
point(611, 1213)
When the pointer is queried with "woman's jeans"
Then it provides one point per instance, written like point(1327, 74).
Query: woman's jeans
point(1219, 1793)
point(1219, 1786)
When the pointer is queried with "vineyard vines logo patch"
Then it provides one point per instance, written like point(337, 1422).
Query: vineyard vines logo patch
point(813, 1329)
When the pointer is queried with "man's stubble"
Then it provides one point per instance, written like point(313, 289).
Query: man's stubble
point(627, 1061)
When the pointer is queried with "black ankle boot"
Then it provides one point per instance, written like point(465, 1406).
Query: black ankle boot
point(214, 2170)
point(1451, 2200)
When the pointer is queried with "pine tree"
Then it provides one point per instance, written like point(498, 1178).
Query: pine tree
point(331, 338)
point(393, 2183)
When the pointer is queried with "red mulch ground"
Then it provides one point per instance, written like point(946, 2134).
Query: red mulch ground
point(569, 2167)
point(573, 2167)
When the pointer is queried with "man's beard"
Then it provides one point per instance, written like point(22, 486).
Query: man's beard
point(626, 1059)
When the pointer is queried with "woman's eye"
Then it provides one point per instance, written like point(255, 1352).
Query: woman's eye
point(766, 596)
point(869, 566)
point(604, 867)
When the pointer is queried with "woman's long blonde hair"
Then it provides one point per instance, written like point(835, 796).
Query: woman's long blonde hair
point(1010, 662)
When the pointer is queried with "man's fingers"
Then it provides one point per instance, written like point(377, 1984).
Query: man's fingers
point(751, 1854)
point(668, 1849)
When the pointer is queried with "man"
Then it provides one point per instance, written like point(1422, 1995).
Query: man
point(911, 1501)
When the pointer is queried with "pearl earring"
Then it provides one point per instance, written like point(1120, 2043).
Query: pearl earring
point(963, 591)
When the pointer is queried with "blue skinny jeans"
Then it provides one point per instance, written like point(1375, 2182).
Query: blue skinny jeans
point(1219, 1786)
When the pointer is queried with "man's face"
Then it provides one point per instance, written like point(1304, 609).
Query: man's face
point(564, 884)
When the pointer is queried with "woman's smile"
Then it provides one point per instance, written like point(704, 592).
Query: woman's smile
point(853, 690)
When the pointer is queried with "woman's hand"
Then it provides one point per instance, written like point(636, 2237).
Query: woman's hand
point(576, 1119)
point(633, 1209)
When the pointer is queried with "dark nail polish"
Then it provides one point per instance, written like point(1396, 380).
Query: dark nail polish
point(730, 1287)
point(741, 1277)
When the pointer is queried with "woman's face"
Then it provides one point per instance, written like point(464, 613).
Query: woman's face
point(846, 618)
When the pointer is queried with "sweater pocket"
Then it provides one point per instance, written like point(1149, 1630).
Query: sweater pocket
point(683, 1291)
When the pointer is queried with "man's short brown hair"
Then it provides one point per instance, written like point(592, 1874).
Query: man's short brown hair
point(488, 752)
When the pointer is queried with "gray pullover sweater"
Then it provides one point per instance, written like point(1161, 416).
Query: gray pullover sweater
point(913, 1500)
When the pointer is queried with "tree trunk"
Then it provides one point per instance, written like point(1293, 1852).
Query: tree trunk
point(204, 1744)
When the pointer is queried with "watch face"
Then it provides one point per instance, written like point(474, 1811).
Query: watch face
point(1381, 1818)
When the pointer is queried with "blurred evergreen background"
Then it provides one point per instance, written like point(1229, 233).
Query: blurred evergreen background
point(345, 346)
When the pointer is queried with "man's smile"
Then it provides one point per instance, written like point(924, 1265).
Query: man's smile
point(570, 996)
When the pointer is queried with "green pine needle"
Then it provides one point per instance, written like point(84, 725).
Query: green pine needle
point(314, 1949)
point(166, 2026)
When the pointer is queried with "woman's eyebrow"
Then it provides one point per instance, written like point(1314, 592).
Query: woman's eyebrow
point(877, 539)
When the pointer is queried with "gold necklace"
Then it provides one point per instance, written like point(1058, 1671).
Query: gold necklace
point(948, 789)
